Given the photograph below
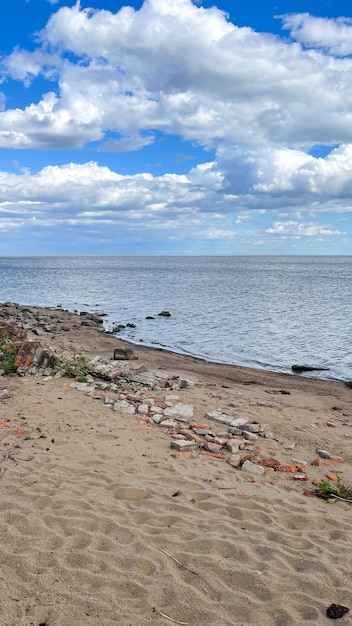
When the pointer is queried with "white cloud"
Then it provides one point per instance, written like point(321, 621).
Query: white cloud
point(295, 229)
point(335, 35)
point(181, 69)
point(119, 79)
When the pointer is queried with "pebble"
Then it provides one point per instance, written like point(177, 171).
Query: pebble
point(4, 394)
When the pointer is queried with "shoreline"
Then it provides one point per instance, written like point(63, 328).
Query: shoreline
point(103, 522)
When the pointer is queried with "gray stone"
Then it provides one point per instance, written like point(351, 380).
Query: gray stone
point(124, 407)
point(232, 447)
point(184, 445)
point(252, 468)
point(218, 416)
point(83, 387)
point(185, 383)
point(4, 394)
point(179, 410)
point(124, 354)
point(169, 423)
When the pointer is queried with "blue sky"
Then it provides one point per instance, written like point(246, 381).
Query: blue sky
point(175, 127)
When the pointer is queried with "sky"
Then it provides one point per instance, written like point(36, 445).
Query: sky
point(176, 127)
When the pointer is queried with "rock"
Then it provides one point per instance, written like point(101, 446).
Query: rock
point(165, 313)
point(239, 422)
point(323, 454)
point(218, 416)
point(232, 447)
point(252, 468)
point(250, 436)
point(143, 409)
point(124, 354)
point(168, 423)
point(212, 447)
point(4, 394)
point(184, 445)
point(184, 383)
point(298, 368)
point(27, 353)
point(335, 611)
point(83, 387)
point(150, 317)
point(234, 460)
point(124, 407)
point(179, 410)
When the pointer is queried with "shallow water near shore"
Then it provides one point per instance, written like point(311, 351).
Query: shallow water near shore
point(263, 312)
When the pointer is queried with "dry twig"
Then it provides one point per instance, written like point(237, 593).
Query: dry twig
point(175, 621)
point(179, 562)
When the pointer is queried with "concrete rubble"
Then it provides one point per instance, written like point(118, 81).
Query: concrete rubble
point(149, 398)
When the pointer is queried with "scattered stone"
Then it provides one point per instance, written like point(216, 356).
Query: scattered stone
point(124, 407)
point(234, 460)
point(252, 468)
point(165, 313)
point(168, 423)
point(335, 611)
point(232, 447)
point(300, 477)
point(218, 416)
point(124, 354)
point(323, 454)
point(183, 445)
point(4, 394)
point(179, 410)
point(298, 368)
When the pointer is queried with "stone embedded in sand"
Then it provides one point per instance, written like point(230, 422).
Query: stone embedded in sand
point(185, 383)
point(124, 407)
point(83, 387)
point(4, 394)
point(219, 416)
point(124, 354)
point(252, 468)
point(323, 454)
point(250, 436)
point(179, 410)
point(168, 423)
point(335, 611)
point(239, 422)
point(183, 445)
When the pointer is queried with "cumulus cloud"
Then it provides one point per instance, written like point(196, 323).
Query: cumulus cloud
point(260, 102)
point(334, 35)
point(183, 69)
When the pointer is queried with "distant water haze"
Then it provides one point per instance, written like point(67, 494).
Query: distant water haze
point(264, 312)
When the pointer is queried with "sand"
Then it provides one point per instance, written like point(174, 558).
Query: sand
point(91, 526)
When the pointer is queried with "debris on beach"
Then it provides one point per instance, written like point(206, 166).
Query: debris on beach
point(335, 611)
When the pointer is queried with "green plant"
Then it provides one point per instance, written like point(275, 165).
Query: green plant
point(331, 493)
point(7, 355)
point(75, 368)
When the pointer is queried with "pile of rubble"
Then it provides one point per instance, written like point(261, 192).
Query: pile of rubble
point(235, 443)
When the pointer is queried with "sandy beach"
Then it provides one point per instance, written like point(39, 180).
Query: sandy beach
point(103, 523)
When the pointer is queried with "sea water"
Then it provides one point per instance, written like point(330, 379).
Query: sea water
point(259, 311)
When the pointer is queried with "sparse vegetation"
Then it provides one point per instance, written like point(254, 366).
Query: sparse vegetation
point(74, 368)
point(331, 493)
point(7, 355)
